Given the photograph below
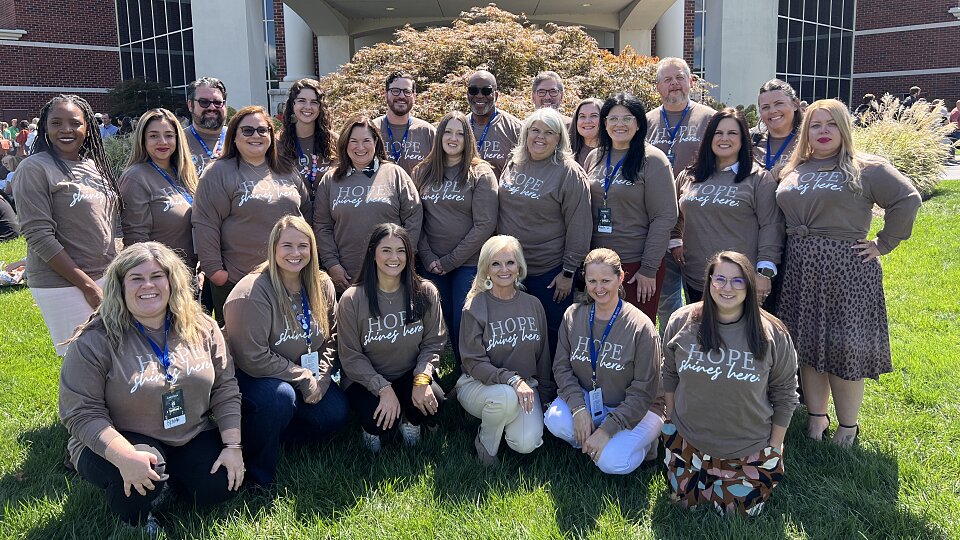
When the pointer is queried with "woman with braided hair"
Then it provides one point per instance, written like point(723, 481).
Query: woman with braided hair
point(68, 203)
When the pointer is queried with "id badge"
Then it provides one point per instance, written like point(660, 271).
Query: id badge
point(311, 361)
point(604, 220)
point(173, 412)
point(596, 403)
point(671, 157)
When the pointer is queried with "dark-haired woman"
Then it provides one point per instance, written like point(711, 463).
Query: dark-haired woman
point(633, 198)
point(781, 114)
point(158, 186)
point(307, 138)
point(458, 191)
point(67, 202)
point(727, 203)
point(242, 195)
point(391, 334)
point(364, 190)
point(729, 377)
point(585, 129)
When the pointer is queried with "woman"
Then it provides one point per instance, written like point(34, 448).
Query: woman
point(832, 284)
point(729, 378)
point(458, 191)
point(158, 185)
point(307, 138)
point(139, 385)
point(364, 190)
point(242, 195)
point(391, 334)
point(67, 203)
point(545, 204)
point(280, 323)
point(585, 129)
point(607, 370)
point(633, 198)
point(727, 202)
point(505, 354)
point(780, 112)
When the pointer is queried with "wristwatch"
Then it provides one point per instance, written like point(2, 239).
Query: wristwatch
point(768, 273)
point(567, 273)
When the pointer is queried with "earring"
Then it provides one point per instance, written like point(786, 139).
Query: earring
point(556, 154)
point(519, 284)
point(488, 283)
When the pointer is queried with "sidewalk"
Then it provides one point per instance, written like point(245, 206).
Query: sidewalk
point(952, 172)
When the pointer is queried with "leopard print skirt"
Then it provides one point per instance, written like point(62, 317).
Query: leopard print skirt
point(834, 307)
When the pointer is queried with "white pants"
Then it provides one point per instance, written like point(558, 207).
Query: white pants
point(497, 407)
point(63, 310)
point(625, 451)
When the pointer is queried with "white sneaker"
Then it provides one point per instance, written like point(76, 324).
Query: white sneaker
point(371, 442)
point(410, 433)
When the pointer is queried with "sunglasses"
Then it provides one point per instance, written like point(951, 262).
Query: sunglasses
point(208, 102)
point(248, 131)
point(474, 90)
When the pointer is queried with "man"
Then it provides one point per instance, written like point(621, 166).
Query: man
point(207, 103)
point(496, 131)
point(107, 129)
point(676, 128)
point(407, 139)
point(547, 91)
point(955, 120)
point(912, 98)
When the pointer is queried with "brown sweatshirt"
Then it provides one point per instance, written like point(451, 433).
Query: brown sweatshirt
point(412, 148)
point(815, 200)
point(760, 149)
point(503, 338)
point(719, 215)
point(628, 364)
point(547, 208)
point(726, 401)
point(686, 144)
point(235, 209)
point(155, 210)
point(502, 136)
point(377, 350)
point(582, 156)
point(267, 343)
point(347, 210)
point(458, 219)
point(644, 212)
point(75, 212)
point(201, 159)
point(105, 390)
point(305, 164)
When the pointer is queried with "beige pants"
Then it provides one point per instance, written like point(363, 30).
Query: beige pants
point(63, 310)
point(497, 407)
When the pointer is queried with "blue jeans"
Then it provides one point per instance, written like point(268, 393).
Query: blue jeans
point(671, 294)
point(274, 411)
point(453, 287)
point(537, 286)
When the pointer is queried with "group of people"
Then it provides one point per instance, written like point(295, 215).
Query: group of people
point(339, 264)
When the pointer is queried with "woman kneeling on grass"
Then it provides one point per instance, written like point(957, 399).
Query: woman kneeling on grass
point(391, 334)
point(607, 370)
point(139, 385)
point(729, 377)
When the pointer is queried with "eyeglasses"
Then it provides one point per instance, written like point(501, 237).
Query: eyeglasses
point(474, 90)
point(204, 103)
point(720, 282)
point(553, 92)
point(397, 91)
point(626, 119)
point(248, 131)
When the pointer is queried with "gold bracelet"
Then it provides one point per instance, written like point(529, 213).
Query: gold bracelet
point(421, 380)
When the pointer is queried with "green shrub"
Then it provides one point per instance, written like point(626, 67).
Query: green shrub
point(915, 142)
point(118, 150)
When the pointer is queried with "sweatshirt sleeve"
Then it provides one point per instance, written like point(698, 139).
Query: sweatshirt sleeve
point(770, 219)
point(82, 403)
point(353, 361)
point(136, 219)
point(306, 205)
point(782, 380)
point(577, 218)
point(484, 208)
point(328, 351)
point(434, 335)
point(660, 198)
point(644, 388)
point(677, 232)
point(899, 199)
point(411, 210)
point(473, 355)
point(323, 223)
point(31, 190)
point(546, 387)
point(225, 393)
point(211, 206)
point(669, 375)
point(568, 386)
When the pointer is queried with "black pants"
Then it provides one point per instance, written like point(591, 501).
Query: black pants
point(186, 468)
point(218, 295)
point(365, 403)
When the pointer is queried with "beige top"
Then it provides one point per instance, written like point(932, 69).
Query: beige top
point(201, 159)
point(502, 137)
point(105, 390)
point(686, 143)
point(546, 206)
point(412, 148)
point(76, 212)
point(155, 210)
point(305, 164)
point(234, 210)
point(267, 343)
point(776, 143)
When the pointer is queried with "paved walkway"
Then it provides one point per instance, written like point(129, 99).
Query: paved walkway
point(952, 172)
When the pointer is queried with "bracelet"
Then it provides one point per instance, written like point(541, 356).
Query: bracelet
point(233, 446)
point(514, 380)
point(380, 392)
point(579, 409)
point(421, 380)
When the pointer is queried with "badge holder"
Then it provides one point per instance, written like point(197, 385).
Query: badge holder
point(604, 220)
point(174, 413)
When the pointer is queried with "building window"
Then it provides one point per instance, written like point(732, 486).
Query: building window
point(156, 42)
point(815, 47)
point(270, 35)
point(699, 16)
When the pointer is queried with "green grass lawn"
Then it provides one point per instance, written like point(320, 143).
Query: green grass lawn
point(903, 481)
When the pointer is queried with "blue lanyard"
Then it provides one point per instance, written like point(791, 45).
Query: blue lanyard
point(186, 194)
point(673, 131)
point(313, 168)
point(210, 153)
point(483, 137)
point(162, 355)
point(304, 318)
point(771, 162)
point(610, 176)
point(398, 154)
point(593, 348)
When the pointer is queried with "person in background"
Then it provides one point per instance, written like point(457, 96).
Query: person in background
point(547, 91)
point(407, 139)
point(126, 126)
point(9, 224)
point(495, 130)
point(307, 138)
point(107, 129)
point(867, 111)
point(585, 130)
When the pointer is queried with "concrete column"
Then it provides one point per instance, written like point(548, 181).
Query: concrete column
point(239, 63)
point(670, 32)
point(638, 39)
point(726, 45)
point(299, 46)
point(333, 52)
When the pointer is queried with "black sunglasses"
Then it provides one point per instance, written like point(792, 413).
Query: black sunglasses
point(474, 90)
point(204, 103)
point(248, 131)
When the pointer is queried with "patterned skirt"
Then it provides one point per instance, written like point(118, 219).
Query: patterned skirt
point(834, 307)
point(729, 486)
